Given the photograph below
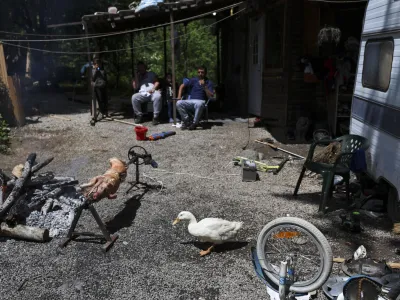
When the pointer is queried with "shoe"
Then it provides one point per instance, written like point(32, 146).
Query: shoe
point(171, 120)
point(193, 126)
point(156, 121)
point(138, 120)
point(185, 125)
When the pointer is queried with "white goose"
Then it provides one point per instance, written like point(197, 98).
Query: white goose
point(214, 230)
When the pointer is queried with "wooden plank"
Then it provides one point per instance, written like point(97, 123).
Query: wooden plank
point(3, 67)
point(14, 90)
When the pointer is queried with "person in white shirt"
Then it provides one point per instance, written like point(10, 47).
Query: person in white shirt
point(146, 85)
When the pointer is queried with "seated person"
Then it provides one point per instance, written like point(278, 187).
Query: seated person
point(201, 89)
point(167, 86)
point(146, 86)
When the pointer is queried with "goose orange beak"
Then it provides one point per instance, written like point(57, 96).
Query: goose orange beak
point(176, 221)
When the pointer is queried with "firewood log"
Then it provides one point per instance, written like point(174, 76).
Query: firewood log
point(41, 165)
point(60, 184)
point(40, 179)
point(39, 200)
point(25, 232)
point(18, 212)
point(47, 206)
point(19, 184)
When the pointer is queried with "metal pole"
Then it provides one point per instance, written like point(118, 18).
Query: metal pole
point(173, 63)
point(186, 46)
point(218, 58)
point(165, 50)
point(94, 102)
point(102, 227)
point(132, 60)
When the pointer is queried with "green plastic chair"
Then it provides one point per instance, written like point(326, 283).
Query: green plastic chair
point(349, 145)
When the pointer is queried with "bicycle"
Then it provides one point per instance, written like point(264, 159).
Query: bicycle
point(293, 271)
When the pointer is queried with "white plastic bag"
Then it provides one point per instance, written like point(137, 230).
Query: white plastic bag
point(361, 252)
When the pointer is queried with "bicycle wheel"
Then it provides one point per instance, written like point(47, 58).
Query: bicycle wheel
point(299, 239)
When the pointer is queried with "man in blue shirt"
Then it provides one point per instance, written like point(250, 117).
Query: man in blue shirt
point(201, 90)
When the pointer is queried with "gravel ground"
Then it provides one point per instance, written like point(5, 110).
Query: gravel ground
point(152, 259)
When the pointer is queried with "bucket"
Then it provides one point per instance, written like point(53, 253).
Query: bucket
point(141, 133)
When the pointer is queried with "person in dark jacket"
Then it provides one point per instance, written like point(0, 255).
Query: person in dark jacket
point(99, 83)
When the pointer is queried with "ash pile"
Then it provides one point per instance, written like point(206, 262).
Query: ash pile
point(30, 200)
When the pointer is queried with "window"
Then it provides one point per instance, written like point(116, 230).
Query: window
point(378, 58)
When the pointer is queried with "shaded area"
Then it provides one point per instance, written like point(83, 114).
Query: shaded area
point(225, 247)
point(208, 125)
point(50, 102)
point(125, 217)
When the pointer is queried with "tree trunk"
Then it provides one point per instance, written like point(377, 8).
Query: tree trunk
point(25, 232)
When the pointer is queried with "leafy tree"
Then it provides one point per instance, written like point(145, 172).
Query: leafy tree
point(198, 47)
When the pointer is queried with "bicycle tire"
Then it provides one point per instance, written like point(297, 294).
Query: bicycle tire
point(321, 242)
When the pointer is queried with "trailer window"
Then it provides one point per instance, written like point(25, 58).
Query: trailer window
point(378, 58)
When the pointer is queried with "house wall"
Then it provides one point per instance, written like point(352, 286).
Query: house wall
point(303, 31)
point(286, 96)
point(275, 78)
point(234, 73)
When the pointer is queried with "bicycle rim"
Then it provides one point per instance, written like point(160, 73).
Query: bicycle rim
point(303, 242)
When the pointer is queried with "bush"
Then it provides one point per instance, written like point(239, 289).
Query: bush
point(4, 128)
point(6, 108)
point(4, 136)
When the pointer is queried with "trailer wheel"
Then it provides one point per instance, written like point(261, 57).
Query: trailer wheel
point(393, 205)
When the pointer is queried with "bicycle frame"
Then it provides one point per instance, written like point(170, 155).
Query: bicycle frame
point(286, 278)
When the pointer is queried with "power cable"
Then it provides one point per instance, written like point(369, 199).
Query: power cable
point(38, 34)
point(123, 32)
point(117, 50)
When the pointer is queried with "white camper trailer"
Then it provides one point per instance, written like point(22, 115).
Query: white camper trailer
point(375, 110)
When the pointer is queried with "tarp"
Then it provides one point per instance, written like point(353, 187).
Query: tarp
point(148, 5)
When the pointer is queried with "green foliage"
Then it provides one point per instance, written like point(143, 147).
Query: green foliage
point(197, 45)
point(4, 128)
point(4, 135)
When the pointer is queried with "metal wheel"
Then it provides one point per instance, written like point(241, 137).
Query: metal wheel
point(304, 243)
point(137, 150)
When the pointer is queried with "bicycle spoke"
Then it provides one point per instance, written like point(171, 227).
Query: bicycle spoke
point(291, 241)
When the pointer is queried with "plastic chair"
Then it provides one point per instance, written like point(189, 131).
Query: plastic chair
point(349, 145)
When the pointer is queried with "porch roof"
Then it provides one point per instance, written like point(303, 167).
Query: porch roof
point(183, 11)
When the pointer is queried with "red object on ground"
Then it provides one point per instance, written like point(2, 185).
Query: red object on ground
point(141, 133)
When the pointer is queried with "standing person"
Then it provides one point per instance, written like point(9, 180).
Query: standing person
point(201, 89)
point(146, 85)
point(168, 87)
point(99, 83)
